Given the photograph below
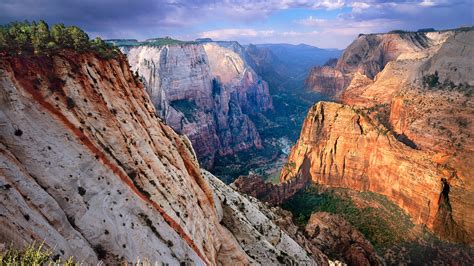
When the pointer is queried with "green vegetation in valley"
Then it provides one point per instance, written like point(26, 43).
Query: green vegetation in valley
point(291, 103)
point(187, 107)
point(37, 38)
point(383, 223)
point(375, 223)
point(32, 254)
point(230, 167)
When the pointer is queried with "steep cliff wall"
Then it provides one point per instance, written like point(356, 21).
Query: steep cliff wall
point(204, 91)
point(405, 132)
point(86, 166)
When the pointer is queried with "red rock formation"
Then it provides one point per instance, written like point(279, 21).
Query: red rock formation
point(256, 186)
point(367, 55)
point(348, 149)
point(407, 134)
point(333, 234)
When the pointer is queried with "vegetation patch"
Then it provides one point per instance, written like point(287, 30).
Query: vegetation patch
point(216, 87)
point(375, 223)
point(37, 38)
point(32, 254)
point(155, 42)
point(229, 168)
point(433, 82)
point(187, 107)
point(383, 223)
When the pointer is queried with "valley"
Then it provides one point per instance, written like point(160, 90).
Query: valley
point(284, 68)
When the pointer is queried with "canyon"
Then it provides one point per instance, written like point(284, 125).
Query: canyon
point(206, 91)
point(402, 126)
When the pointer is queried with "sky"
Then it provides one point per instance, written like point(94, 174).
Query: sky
point(321, 23)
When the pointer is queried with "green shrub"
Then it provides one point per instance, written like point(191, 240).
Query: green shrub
point(431, 81)
point(31, 255)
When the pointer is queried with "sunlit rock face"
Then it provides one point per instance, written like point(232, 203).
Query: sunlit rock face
point(403, 128)
point(368, 55)
point(88, 168)
point(205, 91)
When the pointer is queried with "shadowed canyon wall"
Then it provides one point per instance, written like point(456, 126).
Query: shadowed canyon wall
point(205, 91)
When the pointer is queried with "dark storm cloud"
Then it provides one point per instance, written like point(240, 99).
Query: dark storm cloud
point(106, 16)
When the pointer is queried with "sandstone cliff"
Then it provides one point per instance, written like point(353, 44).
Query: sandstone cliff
point(403, 129)
point(86, 166)
point(407, 134)
point(205, 91)
point(348, 149)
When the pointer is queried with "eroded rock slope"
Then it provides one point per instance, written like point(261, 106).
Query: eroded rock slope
point(88, 168)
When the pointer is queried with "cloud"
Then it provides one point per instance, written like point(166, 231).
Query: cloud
point(312, 22)
point(230, 34)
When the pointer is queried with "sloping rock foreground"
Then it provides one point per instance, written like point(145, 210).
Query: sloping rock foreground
point(86, 167)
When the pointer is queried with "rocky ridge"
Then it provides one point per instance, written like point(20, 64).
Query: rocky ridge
point(88, 168)
point(205, 91)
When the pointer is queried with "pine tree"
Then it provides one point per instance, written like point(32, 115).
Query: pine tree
point(80, 40)
point(21, 36)
point(60, 36)
point(40, 37)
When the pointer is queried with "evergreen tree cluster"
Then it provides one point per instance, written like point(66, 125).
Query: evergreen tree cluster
point(40, 39)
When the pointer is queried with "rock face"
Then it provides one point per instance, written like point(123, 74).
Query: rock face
point(326, 80)
point(335, 236)
point(205, 91)
point(88, 168)
point(367, 56)
point(403, 132)
point(274, 194)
